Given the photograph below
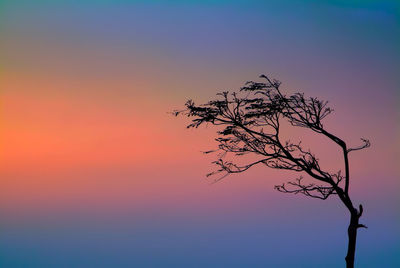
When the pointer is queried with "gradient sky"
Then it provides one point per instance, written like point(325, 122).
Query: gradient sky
point(95, 173)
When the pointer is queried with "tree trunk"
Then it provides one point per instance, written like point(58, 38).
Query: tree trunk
point(352, 234)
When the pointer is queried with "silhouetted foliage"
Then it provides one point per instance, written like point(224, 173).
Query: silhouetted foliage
point(251, 122)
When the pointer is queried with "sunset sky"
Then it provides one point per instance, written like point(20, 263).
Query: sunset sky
point(95, 172)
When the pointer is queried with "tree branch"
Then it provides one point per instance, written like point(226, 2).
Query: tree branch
point(251, 125)
point(310, 190)
point(365, 144)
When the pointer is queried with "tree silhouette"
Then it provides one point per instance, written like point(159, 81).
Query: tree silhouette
point(251, 123)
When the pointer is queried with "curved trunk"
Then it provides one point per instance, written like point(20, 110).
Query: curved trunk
point(352, 234)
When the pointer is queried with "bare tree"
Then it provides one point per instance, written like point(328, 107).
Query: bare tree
point(251, 123)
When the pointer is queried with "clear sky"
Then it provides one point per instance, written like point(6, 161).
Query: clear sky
point(95, 173)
